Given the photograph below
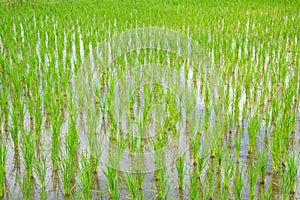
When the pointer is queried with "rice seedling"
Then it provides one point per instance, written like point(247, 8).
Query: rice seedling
point(160, 155)
point(25, 185)
point(219, 155)
point(194, 187)
point(268, 193)
point(71, 141)
point(4, 105)
point(67, 169)
point(253, 128)
point(238, 141)
point(228, 167)
point(69, 160)
point(112, 178)
point(38, 119)
point(196, 147)
point(200, 165)
point(253, 179)
point(86, 177)
point(262, 164)
point(275, 152)
point(28, 153)
point(238, 184)
point(284, 188)
point(162, 184)
point(56, 127)
point(3, 156)
point(210, 184)
point(180, 170)
point(93, 138)
point(41, 168)
point(292, 167)
point(14, 131)
point(134, 182)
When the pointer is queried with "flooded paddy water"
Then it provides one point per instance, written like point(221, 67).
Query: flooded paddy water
point(15, 169)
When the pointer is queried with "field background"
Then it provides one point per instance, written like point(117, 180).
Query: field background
point(255, 44)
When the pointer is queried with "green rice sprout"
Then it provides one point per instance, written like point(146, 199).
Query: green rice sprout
point(3, 156)
point(28, 153)
point(228, 167)
point(86, 177)
point(196, 143)
point(253, 129)
point(262, 164)
point(210, 184)
point(238, 184)
point(268, 193)
point(41, 169)
point(162, 184)
point(56, 123)
point(292, 167)
point(25, 185)
point(112, 177)
point(181, 170)
point(237, 142)
point(71, 141)
point(194, 187)
point(67, 169)
point(200, 165)
point(253, 179)
point(134, 182)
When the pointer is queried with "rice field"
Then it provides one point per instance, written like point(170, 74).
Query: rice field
point(123, 99)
